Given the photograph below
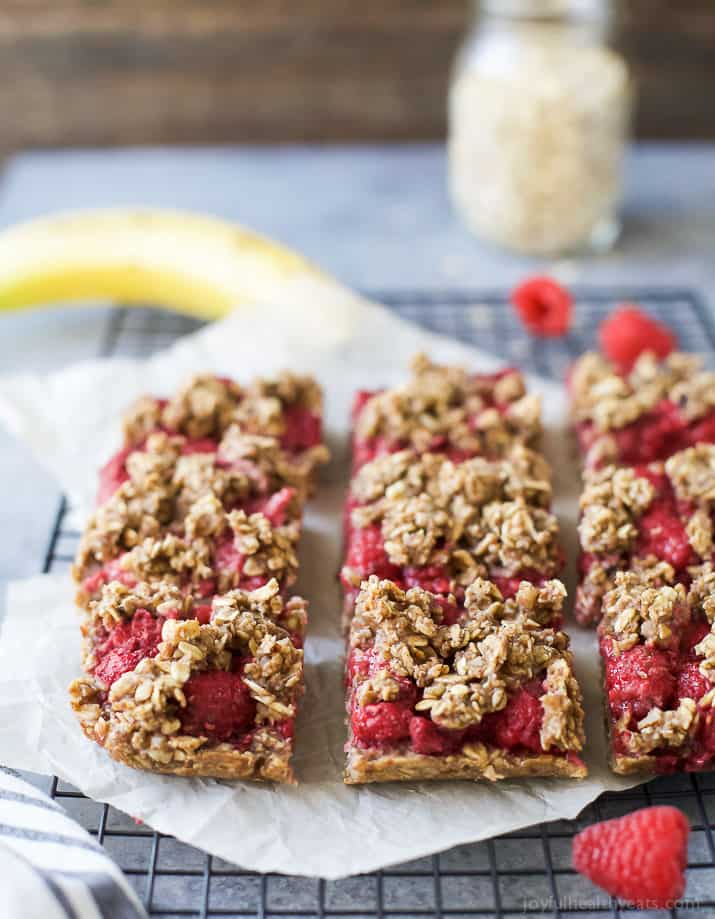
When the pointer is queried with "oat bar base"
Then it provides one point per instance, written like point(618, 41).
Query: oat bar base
point(220, 762)
point(365, 765)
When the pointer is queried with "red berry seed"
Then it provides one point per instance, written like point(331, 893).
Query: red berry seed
point(640, 857)
point(544, 306)
point(628, 332)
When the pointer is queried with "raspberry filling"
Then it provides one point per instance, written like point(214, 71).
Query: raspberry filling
point(127, 643)
point(366, 555)
point(385, 725)
point(656, 435)
point(638, 679)
point(517, 725)
point(302, 429)
point(643, 677)
point(229, 560)
point(364, 450)
point(218, 706)
point(661, 532)
point(276, 507)
point(111, 571)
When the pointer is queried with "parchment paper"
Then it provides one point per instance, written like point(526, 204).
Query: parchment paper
point(321, 828)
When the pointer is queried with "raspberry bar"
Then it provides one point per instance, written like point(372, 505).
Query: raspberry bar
point(659, 408)
point(451, 554)
point(424, 520)
point(211, 414)
point(657, 517)
point(202, 506)
point(176, 696)
point(437, 692)
point(658, 655)
point(445, 410)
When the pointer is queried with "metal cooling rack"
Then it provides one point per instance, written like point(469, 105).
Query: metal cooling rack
point(524, 873)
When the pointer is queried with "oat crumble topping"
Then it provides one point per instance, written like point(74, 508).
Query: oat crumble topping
point(692, 473)
point(611, 401)
point(635, 611)
point(663, 729)
point(461, 516)
point(442, 401)
point(203, 407)
point(143, 705)
point(562, 724)
point(523, 473)
point(611, 501)
point(467, 669)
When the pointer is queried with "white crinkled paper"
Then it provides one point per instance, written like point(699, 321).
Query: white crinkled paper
point(322, 827)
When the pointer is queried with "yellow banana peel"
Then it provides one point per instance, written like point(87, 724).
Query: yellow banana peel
point(187, 262)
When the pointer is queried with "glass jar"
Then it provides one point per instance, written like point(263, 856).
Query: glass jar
point(539, 111)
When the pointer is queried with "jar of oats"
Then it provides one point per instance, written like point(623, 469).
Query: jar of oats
point(539, 111)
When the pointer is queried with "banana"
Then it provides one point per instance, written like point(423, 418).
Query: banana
point(194, 264)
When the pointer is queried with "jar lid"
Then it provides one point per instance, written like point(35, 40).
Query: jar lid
point(546, 9)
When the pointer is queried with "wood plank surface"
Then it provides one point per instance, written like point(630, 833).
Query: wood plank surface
point(101, 72)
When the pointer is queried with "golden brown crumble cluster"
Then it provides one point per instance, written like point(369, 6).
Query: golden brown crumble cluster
point(643, 608)
point(170, 497)
point(468, 517)
point(602, 396)
point(448, 402)
point(208, 405)
point(140, 723)
point(464, 497)
point(468, 668)
point(613, 500)
point(177, 536)
point(646, 607)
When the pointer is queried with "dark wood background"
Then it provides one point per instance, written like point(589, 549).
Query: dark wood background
point(97, 72)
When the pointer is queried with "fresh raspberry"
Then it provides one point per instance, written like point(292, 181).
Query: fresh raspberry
point(662, 534)
point(115, 663)
point(628, 332)
point(544, 306)
point(640, 857)
point(302, 428)
point(381, 723)
point(519, 723)
point(638, 679)
point(366, 554)
point(218, 705)
point(430, 740)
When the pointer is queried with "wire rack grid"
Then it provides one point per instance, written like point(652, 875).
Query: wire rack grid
point(524, 873)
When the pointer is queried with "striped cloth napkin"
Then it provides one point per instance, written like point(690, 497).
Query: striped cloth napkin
point(50, 867)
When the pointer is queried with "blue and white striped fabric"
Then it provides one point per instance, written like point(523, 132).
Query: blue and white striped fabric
point(50, 867)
